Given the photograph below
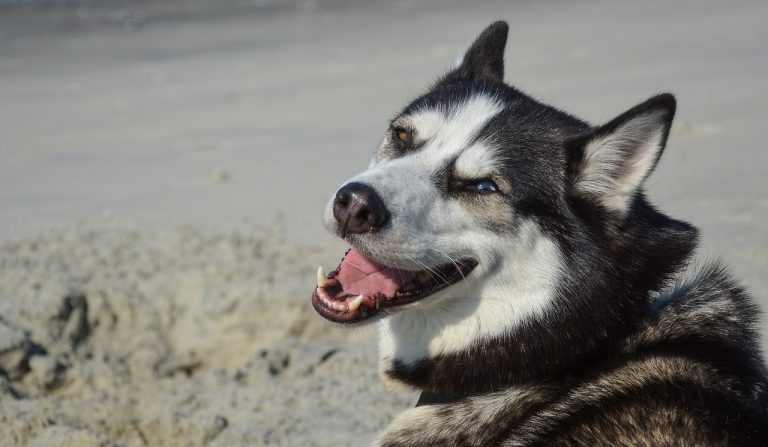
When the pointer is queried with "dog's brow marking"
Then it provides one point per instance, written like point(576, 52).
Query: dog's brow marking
point(449, 130)
point(477, 161)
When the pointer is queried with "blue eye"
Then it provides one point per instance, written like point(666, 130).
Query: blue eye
point(485, 185)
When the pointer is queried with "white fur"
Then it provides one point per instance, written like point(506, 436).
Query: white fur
point(448, 132)
point(616, 164)
point(478, 161)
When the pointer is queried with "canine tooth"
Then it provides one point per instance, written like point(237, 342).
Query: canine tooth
point(354, 304)
point(321, 279)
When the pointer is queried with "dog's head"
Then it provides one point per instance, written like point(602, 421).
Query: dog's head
point(478, 205)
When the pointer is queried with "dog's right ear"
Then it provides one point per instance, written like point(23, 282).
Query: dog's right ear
point(485, 57)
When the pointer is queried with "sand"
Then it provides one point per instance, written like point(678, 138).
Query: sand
point(164, 166)
point(117, 336)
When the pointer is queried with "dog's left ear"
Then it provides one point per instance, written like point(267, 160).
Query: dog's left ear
point(485, 57)
point(609, 163)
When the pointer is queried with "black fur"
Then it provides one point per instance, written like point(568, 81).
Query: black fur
point(485, 58)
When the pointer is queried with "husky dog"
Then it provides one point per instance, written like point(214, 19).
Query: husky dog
point(522, 281)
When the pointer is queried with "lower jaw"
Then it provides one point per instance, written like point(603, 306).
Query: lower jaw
point(371, 307)
point(362, 313)
point(348, 317)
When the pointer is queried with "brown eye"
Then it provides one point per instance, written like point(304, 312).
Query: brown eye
point(401, 136)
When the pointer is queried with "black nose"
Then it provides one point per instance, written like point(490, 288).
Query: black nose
point(358, 209)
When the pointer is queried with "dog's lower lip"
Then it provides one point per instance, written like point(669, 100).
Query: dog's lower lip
point(331, 302)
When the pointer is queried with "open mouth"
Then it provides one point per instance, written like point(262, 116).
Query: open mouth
point(360, 287)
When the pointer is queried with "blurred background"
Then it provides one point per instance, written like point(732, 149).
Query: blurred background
point(164, 166)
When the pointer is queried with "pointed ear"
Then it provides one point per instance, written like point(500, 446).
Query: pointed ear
point(610, 162)
point(485, 57)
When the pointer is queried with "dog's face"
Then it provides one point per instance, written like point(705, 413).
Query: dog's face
point(461, 218)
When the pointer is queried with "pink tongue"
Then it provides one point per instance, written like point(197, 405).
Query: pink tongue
point(362, 276)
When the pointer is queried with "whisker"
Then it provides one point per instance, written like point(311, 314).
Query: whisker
point(431, 271)
point(428, 269)
point(455, 264)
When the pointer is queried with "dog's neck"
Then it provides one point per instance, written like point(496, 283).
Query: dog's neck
point(489, 342)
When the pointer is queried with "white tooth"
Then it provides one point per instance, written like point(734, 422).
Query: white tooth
point(354, 304)
point(321, 279)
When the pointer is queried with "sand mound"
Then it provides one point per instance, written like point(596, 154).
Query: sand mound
point(115, 336)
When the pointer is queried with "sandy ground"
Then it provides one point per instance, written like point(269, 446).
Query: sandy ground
point(164, 165)
point(122, 336)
